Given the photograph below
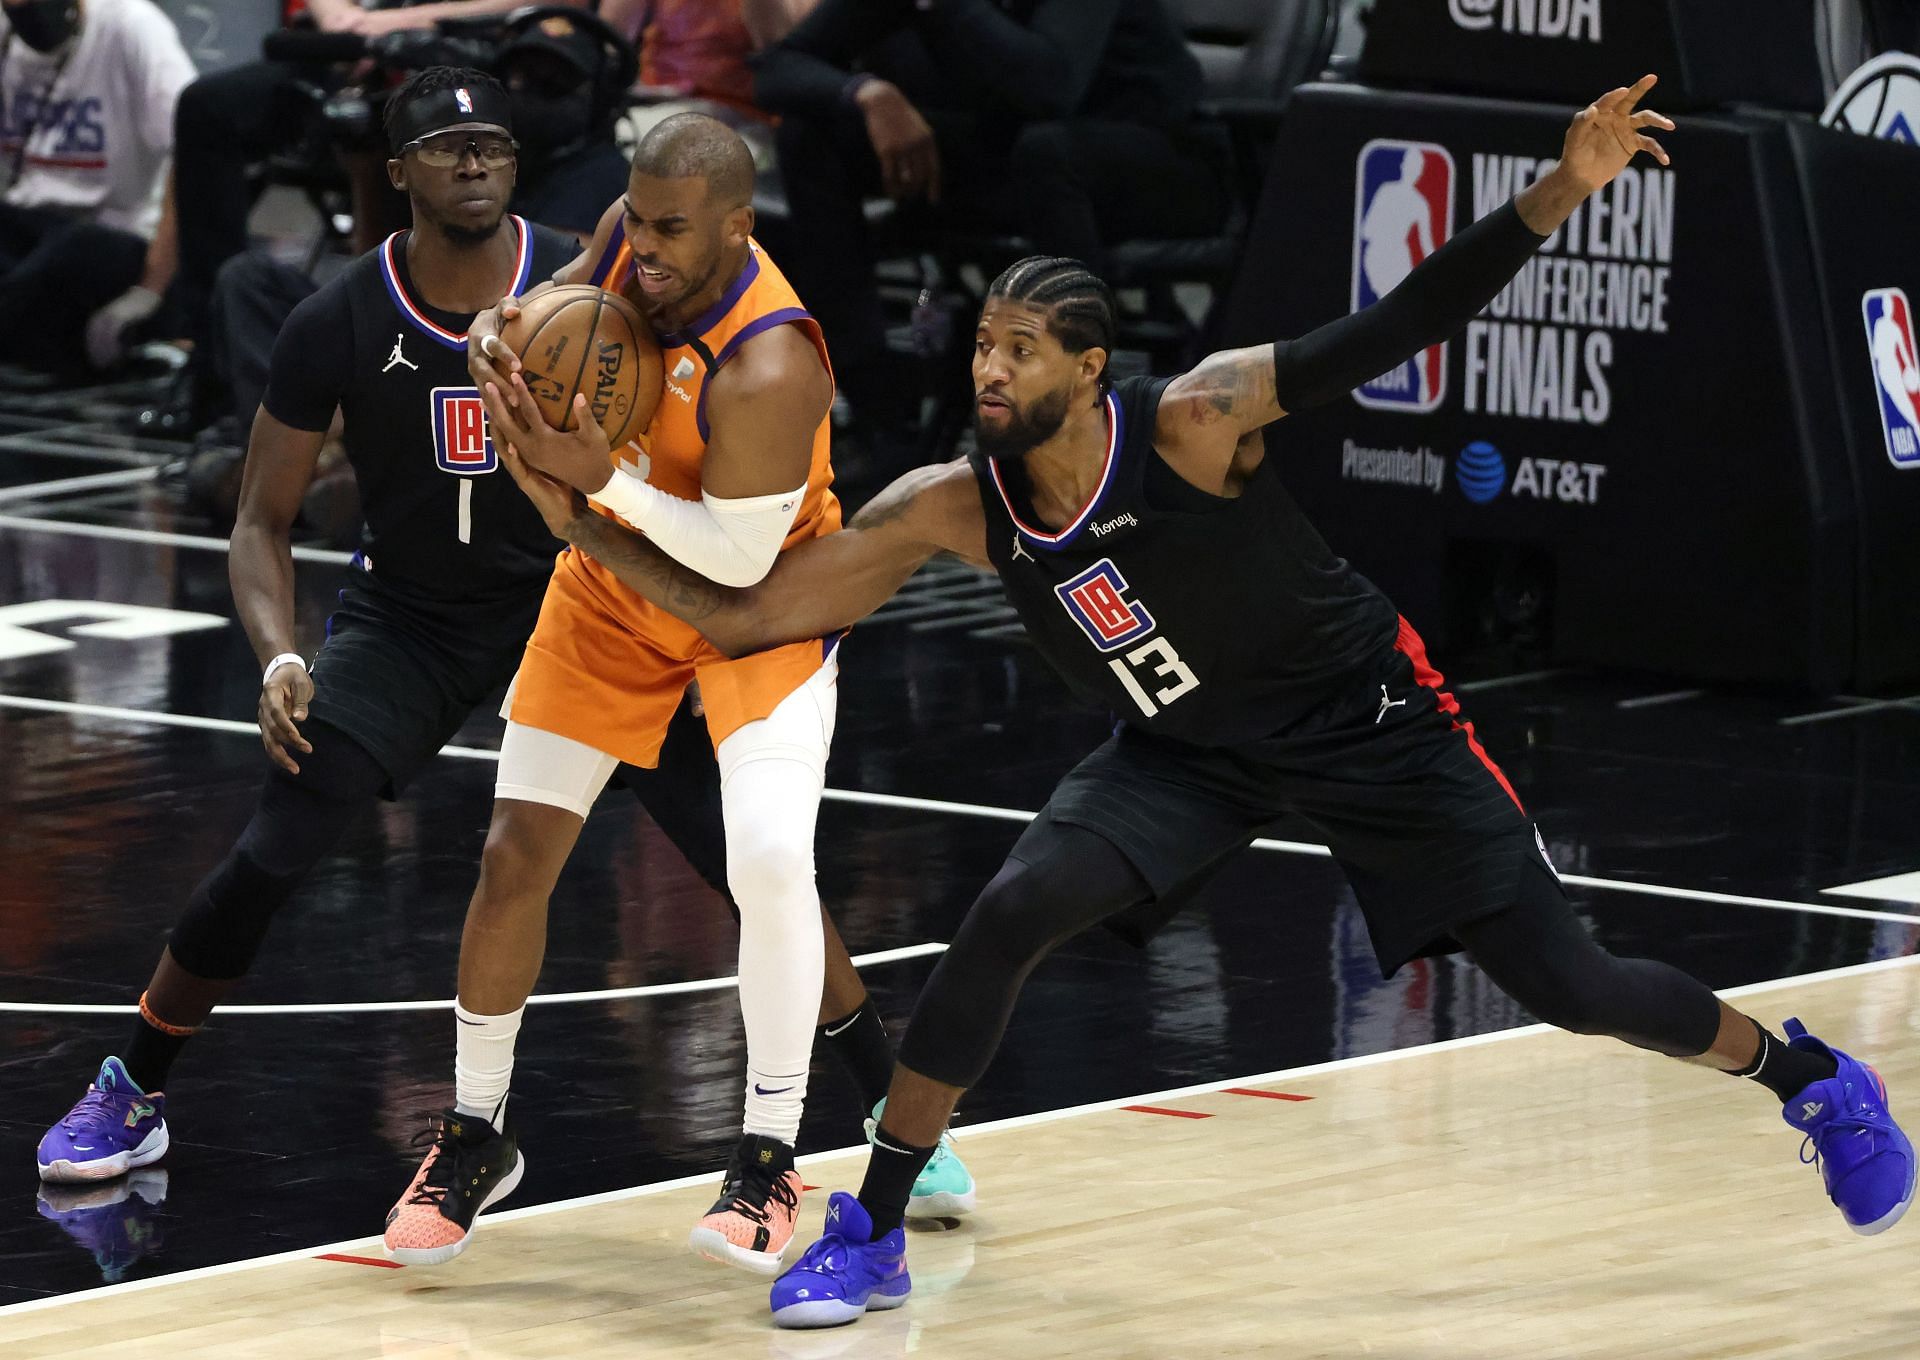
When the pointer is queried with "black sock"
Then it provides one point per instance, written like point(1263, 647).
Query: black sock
point(1784, 1070)
point(891, 1172)
point(859, 1042)
point(149, 1055)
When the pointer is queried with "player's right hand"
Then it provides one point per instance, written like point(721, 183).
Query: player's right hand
point(284, 696)
point(488, 358)
point(559, 504)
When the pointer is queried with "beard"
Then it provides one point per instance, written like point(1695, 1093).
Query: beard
point(460, 234)
point(1026, 427)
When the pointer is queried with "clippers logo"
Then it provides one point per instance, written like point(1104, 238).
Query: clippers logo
point(1895, 372)
point(1097, 600)
point(462, 100)
point(461, 444)
point(1402, 213)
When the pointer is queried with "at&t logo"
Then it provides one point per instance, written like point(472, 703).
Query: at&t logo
point(1481, 472)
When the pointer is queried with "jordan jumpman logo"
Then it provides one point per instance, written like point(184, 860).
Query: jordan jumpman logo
point(1385, 704)
point(398, 358)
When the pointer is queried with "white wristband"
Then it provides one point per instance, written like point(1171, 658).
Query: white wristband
point(280, 661)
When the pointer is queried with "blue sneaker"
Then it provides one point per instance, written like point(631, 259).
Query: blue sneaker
point(115, 1127)
point(944, 1187)
point(1865, 1159)
point(843, 1274)
point(117, 1221)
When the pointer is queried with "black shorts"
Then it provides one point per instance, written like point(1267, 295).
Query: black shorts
point(401, 678)
point(1424, 824)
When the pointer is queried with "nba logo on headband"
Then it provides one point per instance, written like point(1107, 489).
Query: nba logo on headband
point(464, 100)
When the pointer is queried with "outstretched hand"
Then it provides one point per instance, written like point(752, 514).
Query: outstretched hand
point(1609, 132)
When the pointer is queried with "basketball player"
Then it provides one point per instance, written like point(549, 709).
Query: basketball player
point(433, 619)
point(732, 470)
point(1158, 564)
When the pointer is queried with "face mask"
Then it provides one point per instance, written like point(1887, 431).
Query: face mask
point(44, 25)
point(547, 125)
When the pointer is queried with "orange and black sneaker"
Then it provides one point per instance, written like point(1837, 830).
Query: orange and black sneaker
point(469, 1168)
point(751, 1224)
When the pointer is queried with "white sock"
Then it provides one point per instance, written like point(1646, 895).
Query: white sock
point(483, 1062)
point(769, 805)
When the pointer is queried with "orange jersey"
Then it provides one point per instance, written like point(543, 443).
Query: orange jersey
point(605, 666)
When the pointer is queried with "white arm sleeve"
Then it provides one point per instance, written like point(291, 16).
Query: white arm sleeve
point(731, 541)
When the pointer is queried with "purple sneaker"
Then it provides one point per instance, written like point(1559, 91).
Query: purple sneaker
point(1862, 1154)
point(844, 1274)
point(115, 1127)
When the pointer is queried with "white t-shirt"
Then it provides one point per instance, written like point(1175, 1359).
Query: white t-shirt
point(98, 125)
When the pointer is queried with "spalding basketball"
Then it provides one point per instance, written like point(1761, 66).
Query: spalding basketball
point(579, 338)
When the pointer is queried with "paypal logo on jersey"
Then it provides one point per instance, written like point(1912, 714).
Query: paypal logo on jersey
point(1896, 374)
point(461, 443)
point(1402, 213)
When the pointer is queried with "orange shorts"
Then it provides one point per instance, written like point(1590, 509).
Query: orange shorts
point(610, 672)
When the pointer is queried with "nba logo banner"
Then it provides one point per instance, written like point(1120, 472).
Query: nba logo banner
point(1402, 213)
point(1097, 600)
point(1896, 375)
point(461, 443)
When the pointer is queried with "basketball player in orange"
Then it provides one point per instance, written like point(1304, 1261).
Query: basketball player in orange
point(732, 469)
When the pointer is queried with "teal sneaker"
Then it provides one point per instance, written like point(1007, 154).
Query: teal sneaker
point(944, 1188)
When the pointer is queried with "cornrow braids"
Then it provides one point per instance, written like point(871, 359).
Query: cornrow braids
point(1081, 313)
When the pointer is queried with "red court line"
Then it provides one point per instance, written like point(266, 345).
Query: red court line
point(1264, 1095)
point(1177, 1114)
point(359, 1260)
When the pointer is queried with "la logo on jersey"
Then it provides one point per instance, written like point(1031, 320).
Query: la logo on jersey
point(1896, 374)
point(1402, 213)
point(1097, 600)
point(461, 442)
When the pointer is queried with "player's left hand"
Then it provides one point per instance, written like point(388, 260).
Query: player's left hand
point(1608, 133)
point(580, 457)
point(559, 504)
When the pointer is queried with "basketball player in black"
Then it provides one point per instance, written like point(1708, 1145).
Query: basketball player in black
point(433, 620)
point(1159, 565)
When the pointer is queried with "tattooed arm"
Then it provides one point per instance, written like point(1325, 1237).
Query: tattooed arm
point(1208, 422)
point(815, 589)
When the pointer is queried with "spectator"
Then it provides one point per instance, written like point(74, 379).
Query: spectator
point(1077, 113)
point(87, 92)
point(558, 79)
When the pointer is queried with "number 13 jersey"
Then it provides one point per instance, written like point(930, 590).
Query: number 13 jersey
point(1209, 620)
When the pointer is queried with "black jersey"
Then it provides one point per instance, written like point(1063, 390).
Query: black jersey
point(1205, 619)
point(444, 522)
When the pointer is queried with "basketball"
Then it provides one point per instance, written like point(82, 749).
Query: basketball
point(580, 338)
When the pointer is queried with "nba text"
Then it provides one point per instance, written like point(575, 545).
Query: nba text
point(1573, 20)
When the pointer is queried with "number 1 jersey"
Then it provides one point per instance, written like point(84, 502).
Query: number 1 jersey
point(444, 522)
point(1209, 620)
